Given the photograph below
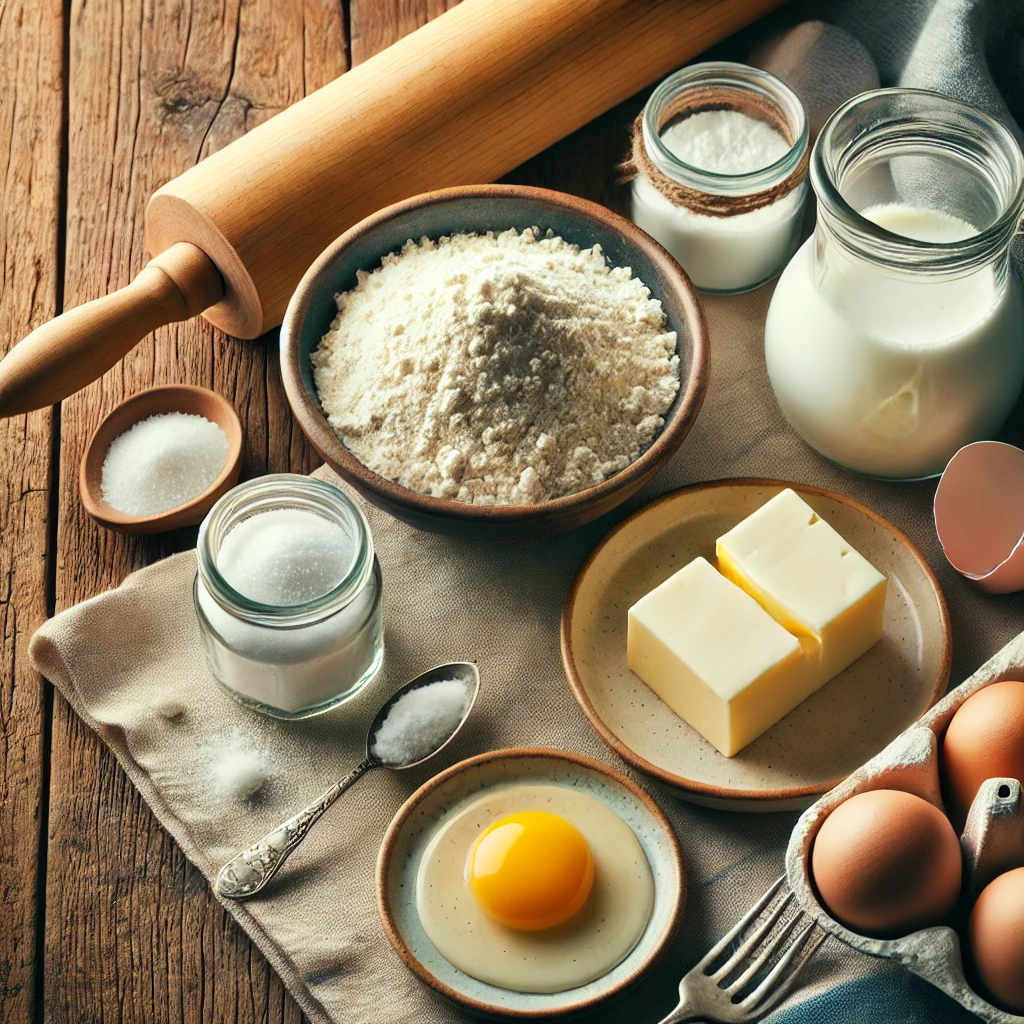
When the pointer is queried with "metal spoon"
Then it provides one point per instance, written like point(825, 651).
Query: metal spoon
point(251, 869)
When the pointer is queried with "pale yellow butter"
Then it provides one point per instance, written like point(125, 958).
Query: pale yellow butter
point(809, 579)
point(715, 657)
point(732, 652)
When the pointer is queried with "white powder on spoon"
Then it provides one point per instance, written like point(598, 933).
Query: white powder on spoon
point(506, 368)
point(420, 721)
point(162, 463)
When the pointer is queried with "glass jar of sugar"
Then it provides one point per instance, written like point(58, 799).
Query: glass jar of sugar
point(896, 334)
point(288, 595)
point(719, 161)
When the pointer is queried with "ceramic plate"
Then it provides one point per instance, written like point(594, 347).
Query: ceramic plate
point(817, 744)
point(444, 796)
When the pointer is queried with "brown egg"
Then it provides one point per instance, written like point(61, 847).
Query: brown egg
point(996, 936)
point(985, 740)
point(887, 863)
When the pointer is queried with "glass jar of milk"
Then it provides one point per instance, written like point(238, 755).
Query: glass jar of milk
point(288, 595)
point(720, 166)
point(896, 334)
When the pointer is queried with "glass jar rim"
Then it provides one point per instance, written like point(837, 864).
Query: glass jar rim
point(263, 494)
point(865, 237)
point(727, 75)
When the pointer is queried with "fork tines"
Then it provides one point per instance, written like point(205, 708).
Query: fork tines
point(758, 960)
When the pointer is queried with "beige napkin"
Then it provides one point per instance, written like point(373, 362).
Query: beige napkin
point(131, 664)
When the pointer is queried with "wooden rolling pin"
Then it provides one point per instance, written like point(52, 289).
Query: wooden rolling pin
point(464, 99)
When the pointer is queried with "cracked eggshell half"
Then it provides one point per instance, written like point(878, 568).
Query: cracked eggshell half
point(979, 515)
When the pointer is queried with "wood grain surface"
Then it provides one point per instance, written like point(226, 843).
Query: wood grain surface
point(233, 234)
point(101, 916)
point(132, 932)
point(31, 39)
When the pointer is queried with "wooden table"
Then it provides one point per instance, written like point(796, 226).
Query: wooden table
point(101, 916)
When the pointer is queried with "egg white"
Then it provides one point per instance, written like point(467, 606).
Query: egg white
point(582, 949)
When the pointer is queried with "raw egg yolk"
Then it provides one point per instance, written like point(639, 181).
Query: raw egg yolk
point(531, 870)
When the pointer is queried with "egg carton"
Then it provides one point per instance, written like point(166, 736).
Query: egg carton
point(992, 840)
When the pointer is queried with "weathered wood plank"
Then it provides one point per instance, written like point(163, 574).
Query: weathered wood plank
point(132, 933)
point(375, 24)
point(31, 42)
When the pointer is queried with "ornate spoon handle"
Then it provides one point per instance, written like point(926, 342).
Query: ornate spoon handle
point(251, 869)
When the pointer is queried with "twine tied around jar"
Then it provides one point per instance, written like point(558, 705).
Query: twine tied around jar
point(712, 204)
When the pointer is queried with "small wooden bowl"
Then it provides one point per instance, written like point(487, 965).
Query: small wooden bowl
point(482, 208)
point(184, 398)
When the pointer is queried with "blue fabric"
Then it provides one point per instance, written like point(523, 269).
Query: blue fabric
point(970, 49)
point(890, 997)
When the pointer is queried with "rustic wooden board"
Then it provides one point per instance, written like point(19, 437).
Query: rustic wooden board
point(375, 24)
point(132, 932)
point(31, 40)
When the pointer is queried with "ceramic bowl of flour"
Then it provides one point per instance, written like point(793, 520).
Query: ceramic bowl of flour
point(479, 209)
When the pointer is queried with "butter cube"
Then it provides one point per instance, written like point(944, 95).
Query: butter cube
point(715, 657)
point(809, 580)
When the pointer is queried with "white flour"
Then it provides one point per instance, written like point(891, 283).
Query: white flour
point(497, 369)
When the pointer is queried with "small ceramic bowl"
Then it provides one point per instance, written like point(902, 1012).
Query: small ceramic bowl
point(482, 208)
point(446, 794)
point(184, 398)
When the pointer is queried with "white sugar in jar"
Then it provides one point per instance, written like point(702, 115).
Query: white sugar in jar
point(288, 595)
point(720, 163)
point(896, 334)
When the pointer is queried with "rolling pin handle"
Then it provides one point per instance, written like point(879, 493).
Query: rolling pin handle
point(197, 279)
point(79, 346)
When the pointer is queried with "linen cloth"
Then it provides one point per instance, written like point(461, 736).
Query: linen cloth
point(131, 664)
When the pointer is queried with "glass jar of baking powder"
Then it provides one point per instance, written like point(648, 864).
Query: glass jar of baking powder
point(288, 595)
point(896, 334)
point(732, 227)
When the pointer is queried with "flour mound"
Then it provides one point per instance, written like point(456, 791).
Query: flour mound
point(507, 368)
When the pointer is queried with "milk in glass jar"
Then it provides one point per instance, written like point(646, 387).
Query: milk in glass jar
point(896, 333)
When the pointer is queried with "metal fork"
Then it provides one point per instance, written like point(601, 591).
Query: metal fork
point(706, 994)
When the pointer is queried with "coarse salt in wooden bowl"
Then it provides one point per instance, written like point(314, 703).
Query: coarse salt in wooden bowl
point(184, 398)
point(481, 208)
